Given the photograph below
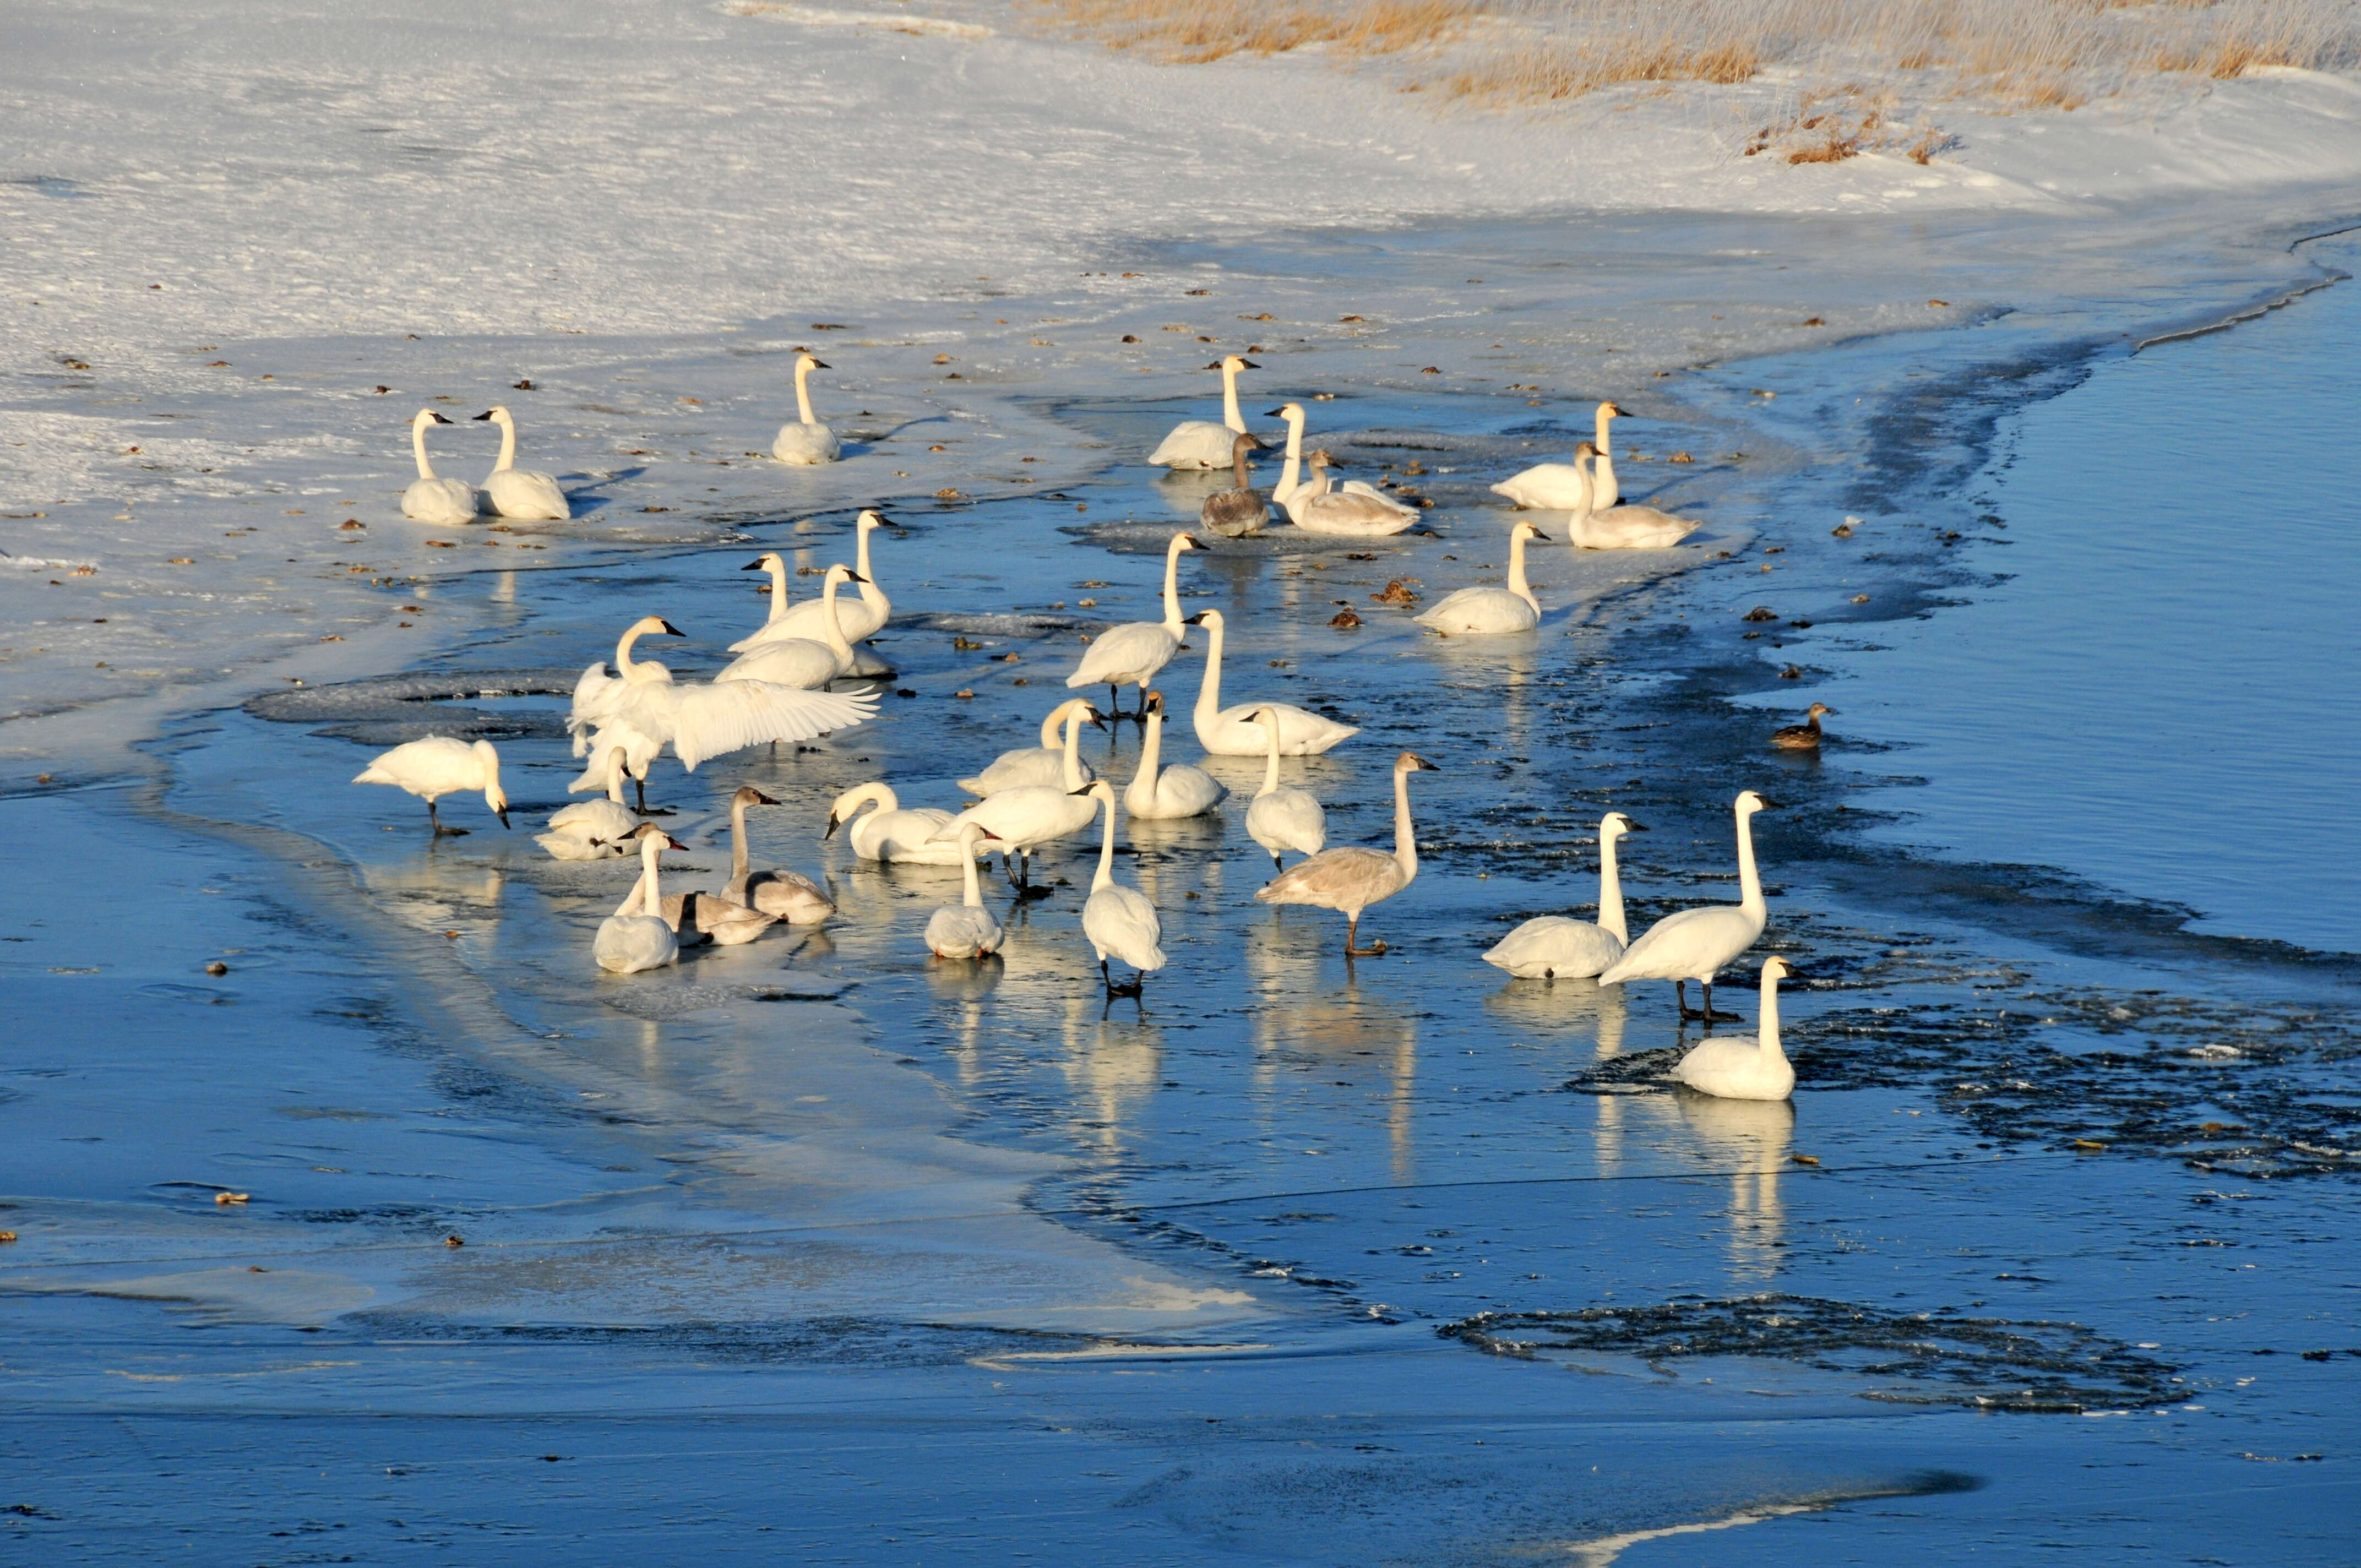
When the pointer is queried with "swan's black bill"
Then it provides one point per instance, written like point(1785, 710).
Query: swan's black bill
point(503, 814)
point(438, 418)
point(822, 364)
point(672, 631)
point(485, 414)
point(754, 566)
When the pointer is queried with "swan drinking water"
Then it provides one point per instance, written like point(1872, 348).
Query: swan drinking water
point(1283, 817)
point(1159, 793)
point(1241, 509)
point(1348, 878)
point(807, 441)
point(1131, 654)
point(594, 829)
point(1695, 943)
point(1233, 731)
point(803, 662)
point(1557, 487)
point(888, 832)
point(1736, 1070)
point(636, 936)
point(1552, 947)
point(438, 766)
point(1622, 526)
point(1201, 443)
point(517, 492)
point(1118, 919)
point(965, 929)
point(1043, 764)
point(1489, 611)
point(431, 499)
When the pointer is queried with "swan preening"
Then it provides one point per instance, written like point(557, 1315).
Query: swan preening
point(1046, 763)
point(1557, 487)
point(1348, 878)
point(1804, 736)
point(1734, 1069)
point(637, 937)
point(1201, 443)
point(594, 829)
point(1157, 792)
point(430, 497)
point(889, 831)
point(965, 929)
point(1234, 732)
point(1283, 817)
point(437, 766)
point(807, 441)
point(1131, 654)
point(1241, 509)
point(517, 492)
point(1119, 920)
point(1621, 527)
point(1694, 944)
point(698, 719)
point(1489, 611)
point(1552, 947)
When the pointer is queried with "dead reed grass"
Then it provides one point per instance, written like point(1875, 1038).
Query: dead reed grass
point(1196, 32)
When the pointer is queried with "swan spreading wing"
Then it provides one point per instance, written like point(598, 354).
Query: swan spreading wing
point(706, 720)
point(598, 697)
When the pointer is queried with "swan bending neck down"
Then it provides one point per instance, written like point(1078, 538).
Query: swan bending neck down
point(518, 492)
point(1158, 793)
point(1484, 611)
point(1348, 878)
point(1234, 731)
point(1201, 443)
point(1119, 920)
point(1132, 653)
point(1736, 1070)
point(1694, 944)
point(888, 832)
point(439, 765)
point(1622, 526)
point(430, 497)
point(1283, 817)
point(807, 441)
point(1552, 947)
point(966, 929)
point(636, 936)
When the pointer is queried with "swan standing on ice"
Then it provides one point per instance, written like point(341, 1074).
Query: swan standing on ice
point(1241, 509)
point(1118, 919)
point(890, 832)
point(1735, 1071)
point(1622, 526)
point(1557, 487)
point(431, 499)
point(1804, 736)
point(1283, 817)
point(807, 441)
point(1200, 444)
point(1359, 513)
point(802, 663)
point(1694, 944)
point(437, 766)
point(1348, 878)
point(1131, 654)
point(704, 718)
point(635, 936)
point(1233, 731)
point(860, 622)
point(517, 492)
point(965, 929)
point(1028, 816)
point(1159, 793)
point(1552, 947)
point(783, 894)
point(594, 829)
point(1489, 611)
point(1046, 764)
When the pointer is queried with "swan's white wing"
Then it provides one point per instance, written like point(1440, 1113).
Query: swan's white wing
point(708, 720)
point(1120, 920)
point(1126, 652)
point(594, 699)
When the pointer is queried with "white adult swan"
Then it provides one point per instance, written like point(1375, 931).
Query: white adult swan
point(1200, 444)
point(1283, 817)
point(1488, 611)
point(1360, 513)
point(890, 832)
point(1042, 764)
point(803, 662)
point(1131, 654)
point(965, 929)
point(1623, 527)
point(1695, 943)
point(517, 492)
point(594, 829)
point(431, 499)
point(1118, 919)
point(1736, 1070)
point(783, 894)
point(1029, 815)
point(1557, 487)
point(1158, 793)
point(697, 719)
point(636, 936)
point(1348, 878)
point(1289, 480)
point(437, 766)
point(807, 441)
point(861, 620)
point(1233, 731)
point(1241, 509)
point(1552, 947)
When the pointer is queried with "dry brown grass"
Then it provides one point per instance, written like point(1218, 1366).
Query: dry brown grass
point(1200, 31)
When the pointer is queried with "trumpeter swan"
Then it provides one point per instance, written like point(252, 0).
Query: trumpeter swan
point(788, 895)
point(1557, 487)
point(1118, 919)
point(806, 664)
point(1158, 792)
point(1357, 513)
point(1623, 527)
point(636, 936)
point(1233, 732)
point(431, 499)
point(1241, 509)
point(1348, 878)
point(1283, 817)
point(437, 766)
point(1736, 1070)
point(965, 929)
point(597, 693)
point(638, 754)
point(890, 832)
point(517, 492)
point(1695, 943)
point(1804, 736)
point(1131, 654)
point(1200, 444)
point(1489, 611)
point(1556, 948)
point(807, 441)
point(1043, 764)
point(809, 619)
point(1029, 815)
point(1290, 483)
point(705, 718)
point(594, 829)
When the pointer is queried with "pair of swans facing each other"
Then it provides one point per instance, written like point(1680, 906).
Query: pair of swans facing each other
point(511, 491)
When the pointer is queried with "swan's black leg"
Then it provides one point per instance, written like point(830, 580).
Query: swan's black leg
point(1709, 1015)
point(1352, 949)
point(1681, 993)
point(436, 823)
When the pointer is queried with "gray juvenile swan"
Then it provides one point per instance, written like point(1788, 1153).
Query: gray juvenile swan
point(1348, 878)
point(1241, 509)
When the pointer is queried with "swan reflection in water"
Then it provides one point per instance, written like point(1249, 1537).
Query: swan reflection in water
point(1113, 1065)
point(1351, 1026)
point(1748, 1140)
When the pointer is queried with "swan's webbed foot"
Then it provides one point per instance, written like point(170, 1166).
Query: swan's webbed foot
point(443, 832)
point(1027, 892)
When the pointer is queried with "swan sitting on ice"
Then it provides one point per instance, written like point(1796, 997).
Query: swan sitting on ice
point(594, 829)
point(1201, 443)
point(1552, 946)
point(783, 894)
point(1119, 920)
point(636, 936)
point(1283, 817)
point(437, 766)
point(517, 492)
point(1557, 487)
point(1695, 943)
point(1241, 509)
point(1158, 793)
point(1348, 878)
point(1623, 527)
point(1736, 1070)
point(1044, 764)
point(431, 499)
point(966, 929)
point(807, 441)
point(1360, 513)
point(890, 832)
point(1488, 612)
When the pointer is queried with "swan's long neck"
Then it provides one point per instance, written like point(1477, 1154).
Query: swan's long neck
point(1105, 877)
point(1517, 584)
point(1050, 723)
point(737, 841)
point(870, 592)
point(1291, 471)
point(1270, 768)
point(883, 794)
point(830, 626)
point(652, 905)
point(1318, 483)
point(1606, 435)
point(508, 446)
point(974, 897)
point(1405, 837)
point(1768, 1031)
point(615, 762)
point(1173, 588)
point(1240, 478)
point(1209, 690)
point(1749, 884)
point(623, 665)
point(1151, 750)
point(779, 570)
point(1582, 510)
point(1231, 417)
point(418, 448)
point(1610, 891)
point(1073, 757)
point(803, 394)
